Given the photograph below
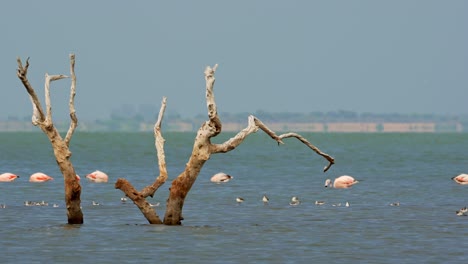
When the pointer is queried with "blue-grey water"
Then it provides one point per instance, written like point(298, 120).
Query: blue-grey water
point(412, 169)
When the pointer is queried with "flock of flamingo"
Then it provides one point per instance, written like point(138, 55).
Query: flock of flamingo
point(95, 176)
point(341, 182)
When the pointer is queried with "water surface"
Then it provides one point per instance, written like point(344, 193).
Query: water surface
point(413, 169)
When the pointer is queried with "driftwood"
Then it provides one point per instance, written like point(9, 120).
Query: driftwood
point(202, 150)
point(60, 146)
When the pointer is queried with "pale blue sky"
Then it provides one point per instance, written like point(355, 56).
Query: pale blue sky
point(407, 56)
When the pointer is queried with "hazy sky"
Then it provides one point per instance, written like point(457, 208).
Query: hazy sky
point(408, 56)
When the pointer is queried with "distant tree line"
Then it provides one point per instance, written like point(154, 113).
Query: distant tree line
point(342, 116)
point(130, 118)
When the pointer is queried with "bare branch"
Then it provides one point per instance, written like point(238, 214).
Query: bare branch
point(38, 114)
point(267, 130)
point(254, 125)
point(214, 124)
point(301, 138)
point(139, 198)
point(74, 120)
point(159, 145)
point(330, 159)
point(48, 80)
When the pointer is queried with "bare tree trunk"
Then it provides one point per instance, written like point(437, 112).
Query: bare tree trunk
point(60, 146)
point(202, 150)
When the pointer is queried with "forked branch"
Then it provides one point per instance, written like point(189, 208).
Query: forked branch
point(139, 198)
point(61, 147)
point(159, 145)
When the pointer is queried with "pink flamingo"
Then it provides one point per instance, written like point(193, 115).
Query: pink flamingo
point(40, 177)
point(461, 179)
point(341, 182)
point(221, 177)
point(97, 176)
point(8, 177)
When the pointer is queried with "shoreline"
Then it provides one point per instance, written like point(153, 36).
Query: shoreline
point(179, 126)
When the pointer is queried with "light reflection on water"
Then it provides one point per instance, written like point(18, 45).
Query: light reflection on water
point(405, 168)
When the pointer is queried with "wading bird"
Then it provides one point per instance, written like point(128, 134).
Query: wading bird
point(461, 179)
point(221, 177)
point(40, 177)
point(97, 176)
point(8, 177)
point(341, 182)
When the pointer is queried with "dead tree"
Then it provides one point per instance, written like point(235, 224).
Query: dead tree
point(61, 146)
point(202, 150)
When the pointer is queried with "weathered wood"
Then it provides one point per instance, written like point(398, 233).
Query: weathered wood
point(60, 146)
point(201, 152)
point(139, 198)
point(203, 148)
point(71, 103)
point(22, 72)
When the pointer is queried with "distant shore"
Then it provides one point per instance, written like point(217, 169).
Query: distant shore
point(181, 126)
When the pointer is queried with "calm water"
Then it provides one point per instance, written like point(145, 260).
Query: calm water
point(413, 169)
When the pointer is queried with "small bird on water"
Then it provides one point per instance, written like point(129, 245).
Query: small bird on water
point(265, 199)
point(319, 202)
point(239, 200)
point(462, 211)
point(294, 201)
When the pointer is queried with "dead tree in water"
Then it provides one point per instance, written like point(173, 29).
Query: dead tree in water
point(202, 150)
point(60, 145)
